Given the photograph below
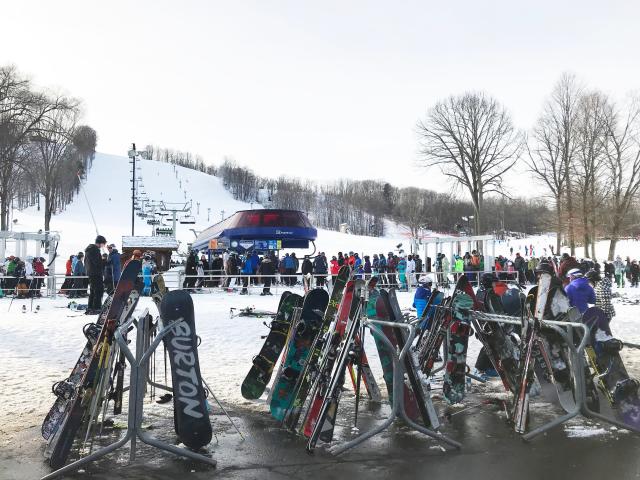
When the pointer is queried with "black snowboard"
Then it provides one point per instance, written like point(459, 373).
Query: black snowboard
point(191, 417)
point(62, 441)
point(260, 373)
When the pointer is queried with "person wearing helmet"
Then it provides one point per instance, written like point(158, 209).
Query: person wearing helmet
point(422, 295)
point(579, 290)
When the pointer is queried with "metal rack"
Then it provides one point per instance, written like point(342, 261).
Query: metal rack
point(137, 382)
point(577, 365)
point(397, 409)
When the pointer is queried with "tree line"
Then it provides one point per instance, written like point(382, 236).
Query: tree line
point(363, 205)
point(178, 157)
point(584, 150)
point(44, 150)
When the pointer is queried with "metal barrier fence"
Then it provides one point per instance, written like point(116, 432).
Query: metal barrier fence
point(52, 285)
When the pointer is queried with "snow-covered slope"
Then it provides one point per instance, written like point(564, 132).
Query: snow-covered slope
point(108, 191)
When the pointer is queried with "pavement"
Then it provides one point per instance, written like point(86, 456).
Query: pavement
point(491, 450)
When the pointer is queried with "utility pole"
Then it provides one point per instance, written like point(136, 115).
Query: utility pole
point(221, 215)
point(132, 155)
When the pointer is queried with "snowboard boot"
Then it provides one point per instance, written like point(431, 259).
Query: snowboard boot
point(625, 388)
point(63, 389)
point(611, 346)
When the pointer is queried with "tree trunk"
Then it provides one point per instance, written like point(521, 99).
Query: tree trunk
point(4, 212)
point(559, 224)
point(585, 227)
point(571, 232)
point(47, 213)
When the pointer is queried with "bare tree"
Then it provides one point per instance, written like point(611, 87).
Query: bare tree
point(590, 133)
point(545, 161)
point(622, 149)
point(52, 153)
point(561, 111)
point(21, 112)
point(473, 141)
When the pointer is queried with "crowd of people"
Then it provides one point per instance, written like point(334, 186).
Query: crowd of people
point(229, 269)
point(22, 277)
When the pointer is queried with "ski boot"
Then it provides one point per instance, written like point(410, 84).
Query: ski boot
point(24, 309)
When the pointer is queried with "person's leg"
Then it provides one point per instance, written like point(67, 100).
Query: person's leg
point(99, 293)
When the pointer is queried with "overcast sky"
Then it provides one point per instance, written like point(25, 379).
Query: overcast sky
point(319, 89)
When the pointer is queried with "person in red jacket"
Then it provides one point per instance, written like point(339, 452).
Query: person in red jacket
point(39, 272)
point(334, 266)
point(68, 281)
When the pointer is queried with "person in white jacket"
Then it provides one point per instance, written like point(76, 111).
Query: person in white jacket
point(410, 271)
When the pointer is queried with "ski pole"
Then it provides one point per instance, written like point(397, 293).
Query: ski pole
point(222, 408)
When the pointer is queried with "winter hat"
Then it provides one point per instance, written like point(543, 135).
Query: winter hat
point(574, 272)
point(594, 275)
point(100, 240)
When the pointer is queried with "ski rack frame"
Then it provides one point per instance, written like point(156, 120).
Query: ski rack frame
point(397, 408)
point(576, 365)
point(137, 385)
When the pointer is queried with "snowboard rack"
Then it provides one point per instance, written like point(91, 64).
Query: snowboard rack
point(565, 329)
point(397, 408)
point(137, 390)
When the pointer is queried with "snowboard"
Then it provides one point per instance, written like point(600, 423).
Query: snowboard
point(422, 398)
point(537, 303)
point(191, 417)
point(430, 344)
point(501, 349)
point(324, 424)
point(552, 357)
point(65, 389)
point(76, 409)
point(313, 308)
point(260, 373)
point(617, 386)
point(310, 372)
point(335, 344)
point(453, 387)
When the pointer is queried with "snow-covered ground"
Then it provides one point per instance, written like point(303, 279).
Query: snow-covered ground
point(38, 349)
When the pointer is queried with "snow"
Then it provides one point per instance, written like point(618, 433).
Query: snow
point(39, 349)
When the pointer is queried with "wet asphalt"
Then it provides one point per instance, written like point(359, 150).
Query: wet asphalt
point(491, 450)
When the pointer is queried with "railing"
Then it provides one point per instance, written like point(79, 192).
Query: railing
point(209, 282)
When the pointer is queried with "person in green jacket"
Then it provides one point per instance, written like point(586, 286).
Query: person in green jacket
point(459, 267)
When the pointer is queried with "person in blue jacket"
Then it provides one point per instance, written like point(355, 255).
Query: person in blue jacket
point(579, 290)
point(147, 268)
point(247, 269)
point(114, 263)
point(423, 292)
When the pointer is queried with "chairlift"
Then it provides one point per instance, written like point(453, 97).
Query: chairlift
point(188, 220)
